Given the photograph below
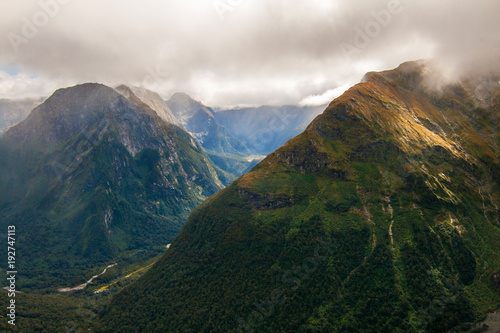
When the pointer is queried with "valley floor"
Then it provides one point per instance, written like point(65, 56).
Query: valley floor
point(70, 309)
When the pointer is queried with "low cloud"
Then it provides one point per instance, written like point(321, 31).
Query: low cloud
point(248, 52)
point(325, 98)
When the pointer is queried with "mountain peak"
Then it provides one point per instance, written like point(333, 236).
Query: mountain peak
point(69, 111)
point(82, 90)
point(181, 96)
point(407, 103)
point(182, 102)
point(150, 98)
point(184, 107)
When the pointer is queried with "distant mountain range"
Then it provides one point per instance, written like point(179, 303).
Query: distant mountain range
point(239, 138)
point(201, 123)
point(227, 152)
point(382, 216)
point(264, 129)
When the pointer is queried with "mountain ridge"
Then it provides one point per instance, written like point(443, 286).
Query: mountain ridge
point(153, 100)
point(411, 219)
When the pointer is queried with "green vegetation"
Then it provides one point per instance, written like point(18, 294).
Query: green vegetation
point(92, 179)
point(381, 217)
point(73, 311)
point(356, 225)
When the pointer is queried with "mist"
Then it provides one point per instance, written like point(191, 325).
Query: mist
point(240, 52)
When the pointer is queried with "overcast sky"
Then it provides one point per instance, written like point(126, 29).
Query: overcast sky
point(236, 52)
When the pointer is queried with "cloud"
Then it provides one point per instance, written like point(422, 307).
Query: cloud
point(23, 84)
point(325, 98)
point(240, 51)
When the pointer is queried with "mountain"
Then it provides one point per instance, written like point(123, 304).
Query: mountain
point(382, 216)
point(91, 178)
point(13, 111)
point(239, 138)
point(226, 151)
point(153, 100)
point(264, 129)
point(201, 123)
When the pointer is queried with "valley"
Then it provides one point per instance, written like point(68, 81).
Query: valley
point(250, 166)
point(95, 255)
point(399, 202)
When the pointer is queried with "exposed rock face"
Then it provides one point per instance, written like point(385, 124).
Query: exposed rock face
point(151, 99)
